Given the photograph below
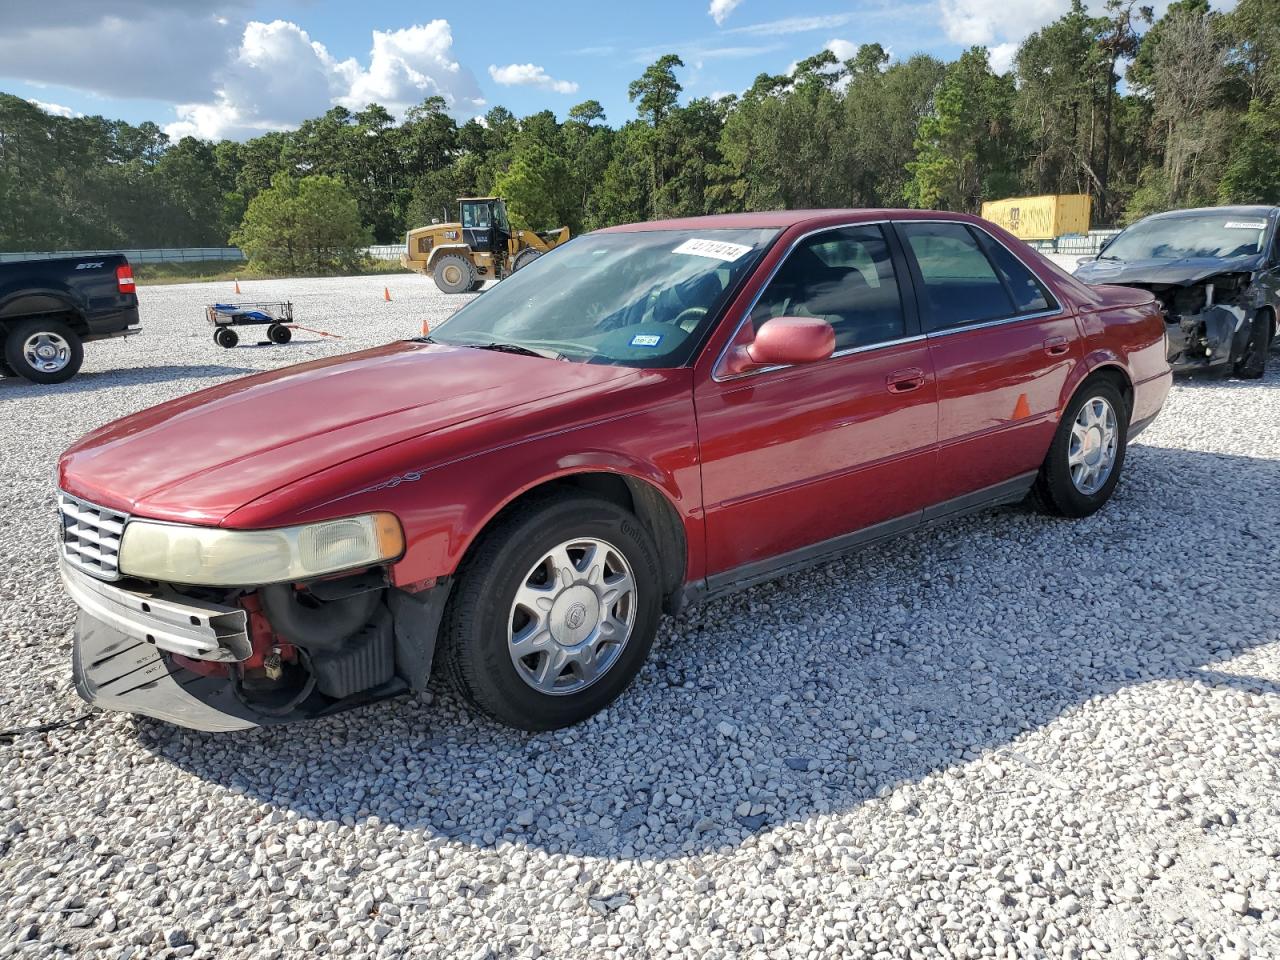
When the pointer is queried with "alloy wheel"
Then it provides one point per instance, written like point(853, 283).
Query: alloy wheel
point(572, 616)
point(1095, 438)
point(46, 352)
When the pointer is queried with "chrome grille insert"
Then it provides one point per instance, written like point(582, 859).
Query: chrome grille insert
point(91, 536)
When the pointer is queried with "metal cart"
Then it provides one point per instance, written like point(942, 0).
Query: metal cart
point(225, 317)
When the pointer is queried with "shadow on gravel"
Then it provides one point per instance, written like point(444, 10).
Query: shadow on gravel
point(121, 377)
point(814, 693)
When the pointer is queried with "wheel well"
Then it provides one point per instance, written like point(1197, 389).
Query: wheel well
point(649, 505)
point(1121, 381)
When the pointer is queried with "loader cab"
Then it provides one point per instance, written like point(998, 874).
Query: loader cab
point(485, 227)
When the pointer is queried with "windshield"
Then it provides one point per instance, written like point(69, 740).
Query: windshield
point(1221, 234)
point(629, 299)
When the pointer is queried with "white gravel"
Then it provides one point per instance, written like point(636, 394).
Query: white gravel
point(1004, 737)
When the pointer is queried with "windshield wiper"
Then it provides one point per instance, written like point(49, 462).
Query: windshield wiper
point(499, 347)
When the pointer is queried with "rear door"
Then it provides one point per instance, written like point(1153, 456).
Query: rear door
point(794, 457)
point(1002, 348)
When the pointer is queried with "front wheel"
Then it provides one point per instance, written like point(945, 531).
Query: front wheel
point(554, 612)
point(225, 337)
point(1083, 465)
point(279, 333)
point(43, 351)
point(454, 274)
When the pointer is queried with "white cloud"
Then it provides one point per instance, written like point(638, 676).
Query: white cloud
point(990, 21)
point(530, 75)
point(795, 25)
point(843, 49)
point(1002, 55)
point(279, 76)
point(720, 9)
point(57, 109)
point(163, 52)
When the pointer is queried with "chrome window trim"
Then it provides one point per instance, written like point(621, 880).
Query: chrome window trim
point(746, 314)
point(716, 377)
point(999, 321)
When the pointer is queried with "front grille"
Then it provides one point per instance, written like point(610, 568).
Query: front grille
point(91, 536)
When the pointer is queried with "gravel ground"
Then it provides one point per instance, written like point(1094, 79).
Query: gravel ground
point(1008, 736)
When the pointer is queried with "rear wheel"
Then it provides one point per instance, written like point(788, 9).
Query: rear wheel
point(1252, 364)
point(454, 274)
point(43, 351)
point(1083, 465)
point(554, 613)
point(226, 337)
point(279, 333)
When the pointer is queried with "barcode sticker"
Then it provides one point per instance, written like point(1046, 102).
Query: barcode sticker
point(716, 249)
point(1246, 225)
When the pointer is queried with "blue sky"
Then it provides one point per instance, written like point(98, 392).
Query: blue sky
point(238, 67)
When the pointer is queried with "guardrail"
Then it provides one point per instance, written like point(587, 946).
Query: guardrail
point(387, 251)
point(1075, 245)
point(136, 255)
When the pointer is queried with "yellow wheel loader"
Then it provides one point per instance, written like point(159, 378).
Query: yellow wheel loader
point(481, 246)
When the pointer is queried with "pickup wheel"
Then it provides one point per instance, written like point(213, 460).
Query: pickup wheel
point(1083, 465)
point(43, 351)
point(554, 613)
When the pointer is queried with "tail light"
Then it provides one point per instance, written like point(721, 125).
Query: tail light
point(124, 277)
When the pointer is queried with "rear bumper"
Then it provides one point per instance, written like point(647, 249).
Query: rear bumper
point(119, 323)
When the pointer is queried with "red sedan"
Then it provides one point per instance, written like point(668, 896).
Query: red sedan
point(648, 416)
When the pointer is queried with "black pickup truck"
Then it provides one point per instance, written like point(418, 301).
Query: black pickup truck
point(50, 308)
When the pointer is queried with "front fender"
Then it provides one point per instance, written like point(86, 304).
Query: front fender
point(448, 486)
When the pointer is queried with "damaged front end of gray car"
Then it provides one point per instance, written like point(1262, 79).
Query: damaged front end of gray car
point(1216, 273)
point(1215, 324)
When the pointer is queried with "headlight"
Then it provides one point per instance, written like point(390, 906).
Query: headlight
point(208, 556)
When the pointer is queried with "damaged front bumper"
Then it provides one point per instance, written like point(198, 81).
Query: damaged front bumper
point(1205, 340)
point(148, 650)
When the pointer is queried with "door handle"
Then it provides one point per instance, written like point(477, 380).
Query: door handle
point(1056, 346)
point(904, 381)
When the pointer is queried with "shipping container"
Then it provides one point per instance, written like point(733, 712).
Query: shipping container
point(1041, 218)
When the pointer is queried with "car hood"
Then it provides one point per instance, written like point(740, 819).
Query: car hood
point(199, 458)
point(1184, 272)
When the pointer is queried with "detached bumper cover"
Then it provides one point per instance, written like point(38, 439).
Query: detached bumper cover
point(116, 671)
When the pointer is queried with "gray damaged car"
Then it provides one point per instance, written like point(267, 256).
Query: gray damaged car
point(1216, 271)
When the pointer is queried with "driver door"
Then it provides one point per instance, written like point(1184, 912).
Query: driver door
point(808, 459)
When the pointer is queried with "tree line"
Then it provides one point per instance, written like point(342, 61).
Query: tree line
point(1143, 114)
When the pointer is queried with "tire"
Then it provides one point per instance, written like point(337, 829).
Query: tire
point(1252, 365)
point(1056, 490)
point(453, 274)
point(524, 258)
point(483, 613)
point(6, 370)
point(279, 333)
point(226, 337)
point(43, 351)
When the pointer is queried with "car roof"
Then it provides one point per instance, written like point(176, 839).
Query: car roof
point(783, 219)
point(1243, 210)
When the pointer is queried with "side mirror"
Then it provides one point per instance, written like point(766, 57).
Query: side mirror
point(1081, 261)
point(784, 341)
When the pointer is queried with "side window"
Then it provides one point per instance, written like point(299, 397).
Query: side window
point(960, 284)
point(1029, 295)
point(844, 276)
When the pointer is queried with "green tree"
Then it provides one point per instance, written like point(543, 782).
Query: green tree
point(303, 226)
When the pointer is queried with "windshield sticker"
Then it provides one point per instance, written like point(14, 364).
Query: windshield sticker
point(716, 249)
point(1246, 225)
point(646, 340)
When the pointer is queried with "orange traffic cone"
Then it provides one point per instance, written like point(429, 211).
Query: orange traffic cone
point(426, 330)
point(386, 294)
point(1021, 409)
point(237, 284)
